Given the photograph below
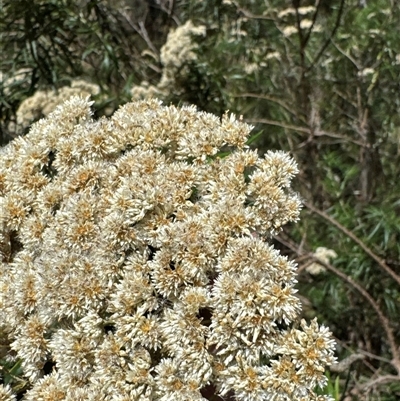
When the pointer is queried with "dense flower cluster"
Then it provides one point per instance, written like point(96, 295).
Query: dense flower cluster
point(44, 102)
point(135, 260)
point(175, 56)
point(294, 18)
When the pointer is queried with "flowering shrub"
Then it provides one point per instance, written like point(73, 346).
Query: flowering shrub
point(135, 261)
point(175, 56)
point(44, 102)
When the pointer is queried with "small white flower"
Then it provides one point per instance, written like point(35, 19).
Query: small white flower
point(365, 72)
point(325, 255)
point(289, 31)
point(306, 23)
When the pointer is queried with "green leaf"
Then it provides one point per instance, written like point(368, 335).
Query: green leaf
point(254, 137)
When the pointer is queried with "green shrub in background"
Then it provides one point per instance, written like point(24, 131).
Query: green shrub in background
point(48, 44)
point(319, 80)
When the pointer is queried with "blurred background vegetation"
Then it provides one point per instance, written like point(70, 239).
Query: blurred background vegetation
point(319, 79)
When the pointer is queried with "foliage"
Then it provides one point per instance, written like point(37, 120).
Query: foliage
point(324, 81)
point(48, 43)
point(320, 80)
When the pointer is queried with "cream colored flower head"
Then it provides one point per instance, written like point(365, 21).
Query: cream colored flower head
point(136, 264)
point(43, 102)
point(178, 52)
point(324, 255)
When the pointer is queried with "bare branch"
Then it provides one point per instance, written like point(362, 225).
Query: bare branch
point(340, 50)
point(279, 124)
point(302, 129)
point(357, 240)
point(344, 364)
point(326, 44)
point(249, 14)
point(379, 381)
point(384, 320)
point(307, 38)
point(395, 362)
point(289, 109)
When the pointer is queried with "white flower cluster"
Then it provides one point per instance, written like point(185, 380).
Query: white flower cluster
point(325, 255)
point(43, 102)
point(300, 10)
point(305, 23)
point(176, 54)
point(134, 261)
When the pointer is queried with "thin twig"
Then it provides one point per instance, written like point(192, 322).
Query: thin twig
point(337, 136)
point(346, 99)
point(326, 44)
point(384, 320)
point(279, 124)
point(351, 235)
point(379, 381)
point(319, 133)
point(373, 356)
point(249, 14)
point(272, 99)
point(317, 10)
point(395, 362)
point(340, 50)
point(344, 364)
